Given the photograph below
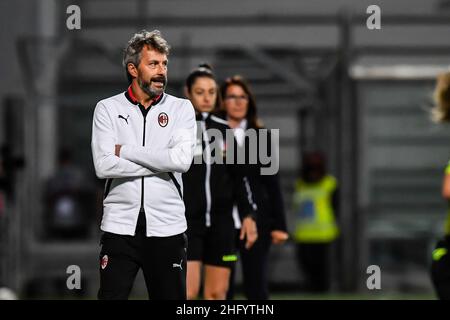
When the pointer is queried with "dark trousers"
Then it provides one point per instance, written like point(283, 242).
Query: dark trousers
point(254, 269)
point(440, 272)
point(162, 259)
point(314, 261)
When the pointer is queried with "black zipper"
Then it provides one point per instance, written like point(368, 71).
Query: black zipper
point(143, 144)
point(107, 187)
point(144, 114)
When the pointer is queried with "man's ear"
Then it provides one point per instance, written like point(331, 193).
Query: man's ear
point(132, 70)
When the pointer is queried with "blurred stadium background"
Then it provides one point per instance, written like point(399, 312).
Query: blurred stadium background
point(320, 76)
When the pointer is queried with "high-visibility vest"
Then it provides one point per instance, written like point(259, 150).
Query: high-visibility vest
point(447, 221)
point(314, 215)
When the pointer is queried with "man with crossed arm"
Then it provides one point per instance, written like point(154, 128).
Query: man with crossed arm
point(142, 141)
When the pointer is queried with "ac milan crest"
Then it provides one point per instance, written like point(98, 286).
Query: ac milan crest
point(163, 119)
point(104, 262)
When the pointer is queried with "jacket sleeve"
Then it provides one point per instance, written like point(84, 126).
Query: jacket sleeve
point(277, 212)
point(106, 163)
point(244, 191)
point(244, 197)
point(178, 156)
point(271, 183)
point(241, 172)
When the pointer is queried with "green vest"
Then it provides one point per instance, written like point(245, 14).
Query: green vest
point(314, 214)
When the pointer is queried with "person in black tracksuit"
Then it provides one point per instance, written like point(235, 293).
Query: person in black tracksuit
point(211, 187)
point(240, 111)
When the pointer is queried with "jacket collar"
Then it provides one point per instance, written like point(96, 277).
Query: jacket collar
point(131, 97)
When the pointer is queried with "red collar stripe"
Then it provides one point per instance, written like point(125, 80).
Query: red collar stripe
point(133, 98)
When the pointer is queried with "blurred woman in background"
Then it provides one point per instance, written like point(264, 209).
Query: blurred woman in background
point(239, 109)
point(210, 189)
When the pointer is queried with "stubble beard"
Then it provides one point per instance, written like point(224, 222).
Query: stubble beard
point(151, 92)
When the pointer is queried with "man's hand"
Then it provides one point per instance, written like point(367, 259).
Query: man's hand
point(248, 231)
point(279, 236)
point(117, 152)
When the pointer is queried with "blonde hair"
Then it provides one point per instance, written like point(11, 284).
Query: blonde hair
point(441, 96)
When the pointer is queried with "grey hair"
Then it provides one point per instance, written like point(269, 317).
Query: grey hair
point(132, 52)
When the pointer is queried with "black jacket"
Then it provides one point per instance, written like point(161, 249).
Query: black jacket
point(266, 188)
point(210, 190)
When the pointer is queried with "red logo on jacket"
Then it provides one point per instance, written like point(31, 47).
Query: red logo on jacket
point(163, 119)
point(104, 261)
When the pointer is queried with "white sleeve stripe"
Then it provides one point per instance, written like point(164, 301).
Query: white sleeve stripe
point(250, 194)
point(217, 119)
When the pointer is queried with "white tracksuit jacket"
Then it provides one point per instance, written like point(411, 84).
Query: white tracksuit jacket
point(155, 151)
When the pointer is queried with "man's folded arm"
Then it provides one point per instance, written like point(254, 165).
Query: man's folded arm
point(106, 163)
point(177, 157)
